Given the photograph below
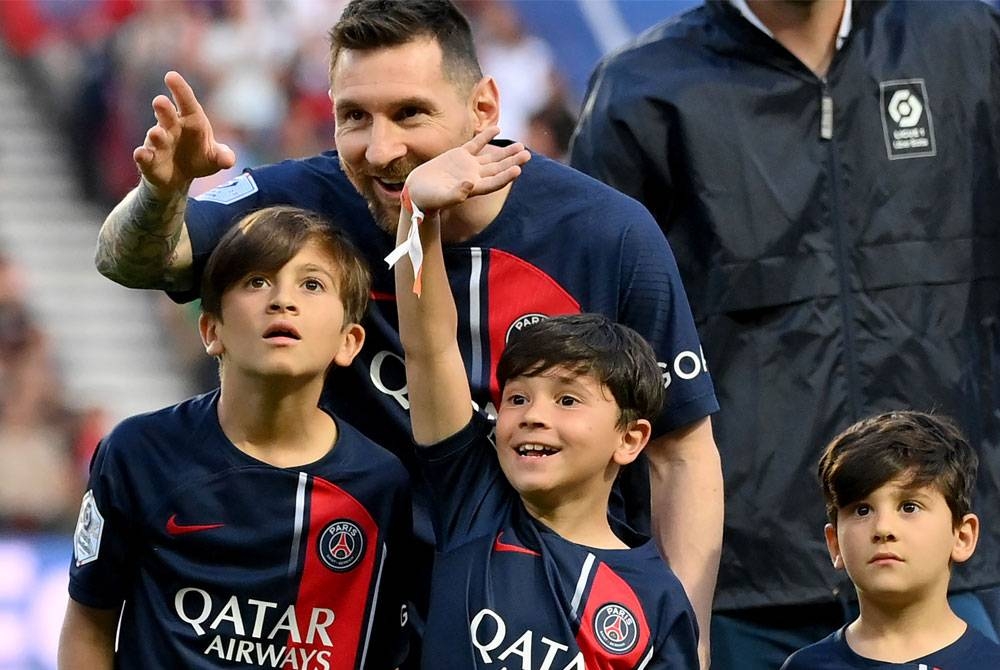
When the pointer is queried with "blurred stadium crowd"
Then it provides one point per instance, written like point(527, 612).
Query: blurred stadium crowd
point(259, 67)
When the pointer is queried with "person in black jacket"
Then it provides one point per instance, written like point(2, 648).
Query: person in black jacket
point(828, 175)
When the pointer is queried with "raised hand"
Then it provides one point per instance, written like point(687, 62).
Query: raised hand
point(181, 146)
point(475, 168)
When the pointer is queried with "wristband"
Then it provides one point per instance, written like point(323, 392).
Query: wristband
point(411, 245)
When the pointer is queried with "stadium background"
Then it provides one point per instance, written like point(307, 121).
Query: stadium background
point(77, 353)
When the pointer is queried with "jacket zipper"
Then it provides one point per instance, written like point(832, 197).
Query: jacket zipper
point(846, 299)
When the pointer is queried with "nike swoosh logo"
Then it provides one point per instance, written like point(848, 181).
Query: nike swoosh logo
point(174, 528)
point(503, 546)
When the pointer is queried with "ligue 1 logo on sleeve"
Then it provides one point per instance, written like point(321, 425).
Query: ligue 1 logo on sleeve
point(616, 628)
point(341, 545)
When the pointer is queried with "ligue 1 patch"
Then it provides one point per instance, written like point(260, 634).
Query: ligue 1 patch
point(341, 545)
point(521, 322)
point(616, 629)
point(906, 119)
point(89, 526)
point(231, 191)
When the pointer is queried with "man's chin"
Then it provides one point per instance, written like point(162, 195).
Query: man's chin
point(385, 217)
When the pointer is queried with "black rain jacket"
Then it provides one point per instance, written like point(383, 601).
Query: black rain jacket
point(838, 239)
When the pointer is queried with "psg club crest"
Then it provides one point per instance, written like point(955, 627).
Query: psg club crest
point(521, 322)
point(616, 629)
point(341, 545)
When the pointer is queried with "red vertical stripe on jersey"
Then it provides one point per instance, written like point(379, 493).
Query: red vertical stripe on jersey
point(346, 593)
point(610, 589)
point(516, 289)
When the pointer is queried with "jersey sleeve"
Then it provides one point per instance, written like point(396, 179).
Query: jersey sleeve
point(393, 617)
point(655, 305)
point(102, 563)
point(678, 646)
point(471, 497)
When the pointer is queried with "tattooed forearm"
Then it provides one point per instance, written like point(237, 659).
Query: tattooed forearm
point(144, 243)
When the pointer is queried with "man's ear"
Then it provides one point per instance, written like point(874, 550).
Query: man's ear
point(966, 537)
point(485, 103)
point(208, 326)
point(633, 439)
point(354, 338)
point(833, 546)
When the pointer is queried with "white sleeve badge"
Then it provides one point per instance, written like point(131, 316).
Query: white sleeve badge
point(231, 191)
point(90, 525)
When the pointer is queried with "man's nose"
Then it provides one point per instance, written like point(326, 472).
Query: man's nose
point(385, 144)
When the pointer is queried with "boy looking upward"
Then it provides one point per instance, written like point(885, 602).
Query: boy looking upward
point(248, 526)
point(898, 489)
point(530, 572)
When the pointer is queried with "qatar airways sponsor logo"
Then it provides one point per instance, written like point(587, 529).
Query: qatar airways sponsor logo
point(257, 632)
point(495, 645)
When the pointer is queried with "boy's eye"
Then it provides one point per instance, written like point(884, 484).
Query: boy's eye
point(862, 510)
point(909, 507)
point(256, 282)
point(516, 399)
point(313, 285)
point(568, 401)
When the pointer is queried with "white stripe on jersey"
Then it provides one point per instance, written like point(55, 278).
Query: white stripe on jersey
point(300, 511)
point(647, 659)
point(374, 605)
point(581, 584)
point(475, 308)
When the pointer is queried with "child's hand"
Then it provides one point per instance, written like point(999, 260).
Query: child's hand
point(475, 168)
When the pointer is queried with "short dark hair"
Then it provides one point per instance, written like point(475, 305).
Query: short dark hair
point(376, 24)
point(928, 450)
point(264, 240)
point(590, 344)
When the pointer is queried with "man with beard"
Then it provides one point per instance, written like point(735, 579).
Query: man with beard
point(406, 86)
point(827, 173)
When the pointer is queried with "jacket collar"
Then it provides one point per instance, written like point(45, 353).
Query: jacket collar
point(842, 32)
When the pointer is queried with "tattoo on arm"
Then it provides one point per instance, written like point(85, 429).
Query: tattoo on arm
point(144, 243)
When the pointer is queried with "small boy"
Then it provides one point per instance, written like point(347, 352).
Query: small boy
point(248, 527)
point(530, 572)
point(898, 491)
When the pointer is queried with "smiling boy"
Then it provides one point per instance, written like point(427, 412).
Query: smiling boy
point(249, 527)
point(530, 572)
point(898, 491)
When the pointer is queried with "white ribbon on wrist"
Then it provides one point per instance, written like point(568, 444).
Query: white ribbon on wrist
point(411, 245)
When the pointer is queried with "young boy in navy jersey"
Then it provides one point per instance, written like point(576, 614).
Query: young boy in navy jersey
point(249, 527)
point(530, 572)
point(898, 491)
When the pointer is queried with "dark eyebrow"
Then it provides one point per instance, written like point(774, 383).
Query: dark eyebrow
point(344, 105)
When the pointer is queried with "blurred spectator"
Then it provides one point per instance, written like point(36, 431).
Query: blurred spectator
point(550, 129)
point(522, 64)
point(40, 483)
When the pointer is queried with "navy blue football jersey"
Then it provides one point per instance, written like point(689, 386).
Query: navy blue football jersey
point(563, 243)
point(223, 561)
point(972, 651)
point(509, 592)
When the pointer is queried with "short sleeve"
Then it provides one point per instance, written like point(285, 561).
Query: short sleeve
point(102, 562)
